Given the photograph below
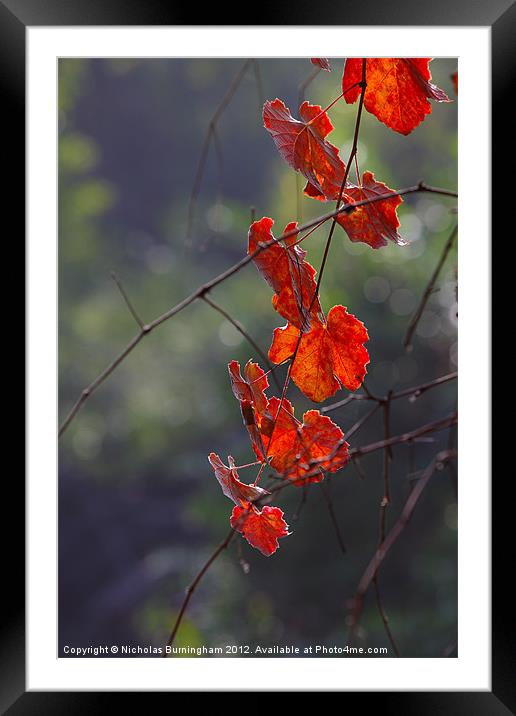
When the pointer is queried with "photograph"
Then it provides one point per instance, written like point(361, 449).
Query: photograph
point(258, 282)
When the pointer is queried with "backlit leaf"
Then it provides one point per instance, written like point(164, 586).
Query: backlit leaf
point(398, 89)
point(373, 223)
point(261, 529)
point(311, 447)
point(304, 147)
point(329, 356)
point(287, 273)
point(230, 483)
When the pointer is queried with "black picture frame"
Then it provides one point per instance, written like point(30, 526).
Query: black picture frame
point(15, 17)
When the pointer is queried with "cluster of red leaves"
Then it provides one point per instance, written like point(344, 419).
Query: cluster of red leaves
point(299, 451)
point(304, 147)
point(261, 528)
point(326, 353)
point(397, 92)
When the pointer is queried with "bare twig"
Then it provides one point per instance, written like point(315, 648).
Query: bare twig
point(433, 427)
point(302, 503)
point(305, 84)
point(353, 429)
point(259, 83)
point(333, 517)
point(239, 327)
point(415, 391)
point(407, 341)
point(191, 589)
point(358, 467)
point(126, 299)
point(385, 502)
point(210, 134)
point(388, 542)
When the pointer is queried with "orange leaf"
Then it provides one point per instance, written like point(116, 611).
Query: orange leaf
point(304, 147)
point(328, 356)
point(311, 448)
point(397, 92)
point(287, 273)
point(321, 62)
point(373, 223)
point(261, 529)
point(237, 491)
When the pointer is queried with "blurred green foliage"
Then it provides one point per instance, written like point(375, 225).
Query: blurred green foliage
point(130, 138)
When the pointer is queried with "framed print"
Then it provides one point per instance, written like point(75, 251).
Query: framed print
point(246, 359)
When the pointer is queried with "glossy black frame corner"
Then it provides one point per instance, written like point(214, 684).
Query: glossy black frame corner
point(500, 15)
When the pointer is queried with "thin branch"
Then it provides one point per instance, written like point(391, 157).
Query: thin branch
point(346, 401)
point(407, 342)
point(333, 517)
point(433, 427)
point(191, 589)
point(204, 288)
point(259, 83)
point(206, 146)
point(397, 529)
point(126, 299)
point(86, 392)
point(384, 617)
point(302, 503)
point(385, 502)
point(239, 327)
point(416, 391)
point(353, 429)
point(358, 467)
point(305, 84)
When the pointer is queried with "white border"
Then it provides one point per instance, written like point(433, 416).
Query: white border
point(471, 670)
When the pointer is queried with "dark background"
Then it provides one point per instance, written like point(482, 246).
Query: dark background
point(139, 508)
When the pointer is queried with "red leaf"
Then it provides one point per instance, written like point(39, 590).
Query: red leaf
point(329, 356)
point(261, 529)
point(250, 388)
point(250, 392)
point(291, 445)
point(304, 147)
point(311, 448)
point(287, 273)
point(455, 80)
point(397, 92)
point(237, 491)
point(373, 223)
point(321, 62)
